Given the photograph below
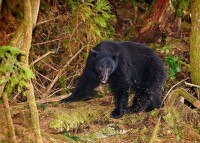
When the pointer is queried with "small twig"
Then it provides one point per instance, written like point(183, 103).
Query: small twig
point(172, 89)
point(42, 86)
point(49, 66)
point(40, 92)
point(40, 58)
point(191, 85)
point(43, 76)
point(45, 21)
point(14, 98)
point(56, 91)
point(50, 41)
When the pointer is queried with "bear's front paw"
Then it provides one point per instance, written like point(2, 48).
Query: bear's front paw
point(116, 114)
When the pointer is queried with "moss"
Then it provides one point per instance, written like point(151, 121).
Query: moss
point(84, 114)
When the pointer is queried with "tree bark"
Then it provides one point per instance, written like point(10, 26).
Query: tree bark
point(195, 43)
point(162, 20)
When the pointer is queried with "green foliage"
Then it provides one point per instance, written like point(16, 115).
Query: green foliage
point(173, 66)
point(181, 6)
point(9, 64)
point(42, 106)
point(154, 113)
point(93, 17)
point(198, 129)
point(179, 134)
point(75, 138)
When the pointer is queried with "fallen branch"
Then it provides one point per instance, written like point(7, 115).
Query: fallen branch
point(172, 89)
point(180, 92)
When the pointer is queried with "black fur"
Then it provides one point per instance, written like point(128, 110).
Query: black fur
point(136, 67)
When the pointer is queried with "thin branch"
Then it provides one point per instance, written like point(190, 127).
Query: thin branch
point(41, 57)
point(50, 41)
point(43, 76)
point(49, 66)
point(45, 21)
point(14, 98)
point(191, 85)
point(56, 91)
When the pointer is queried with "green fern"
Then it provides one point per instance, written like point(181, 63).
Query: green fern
point(94, 17)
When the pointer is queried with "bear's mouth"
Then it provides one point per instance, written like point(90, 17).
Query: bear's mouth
point(104, 80)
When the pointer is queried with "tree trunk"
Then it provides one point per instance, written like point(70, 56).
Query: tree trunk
point(22, 39)
point(162, 20)
point(0, 5)
point(195, 43)
point(11, 129)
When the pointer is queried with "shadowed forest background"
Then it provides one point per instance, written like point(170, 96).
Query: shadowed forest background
point(44, 45)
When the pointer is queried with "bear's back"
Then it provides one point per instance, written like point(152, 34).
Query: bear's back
point(125, 49)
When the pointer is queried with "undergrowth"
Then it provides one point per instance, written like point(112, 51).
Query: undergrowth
point(80, 24)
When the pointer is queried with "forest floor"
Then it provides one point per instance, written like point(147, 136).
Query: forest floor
point(89, 121)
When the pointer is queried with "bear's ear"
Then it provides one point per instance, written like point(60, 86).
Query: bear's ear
point(93, 52)
point(115, 56)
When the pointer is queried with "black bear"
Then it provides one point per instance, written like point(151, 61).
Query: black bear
point(125, 66)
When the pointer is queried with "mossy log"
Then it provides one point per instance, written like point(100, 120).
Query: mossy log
point(180, 92)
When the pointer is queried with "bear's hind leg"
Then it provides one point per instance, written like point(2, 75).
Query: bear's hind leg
point(145, 101)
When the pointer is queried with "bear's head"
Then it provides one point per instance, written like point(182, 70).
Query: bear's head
point(104, 64)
